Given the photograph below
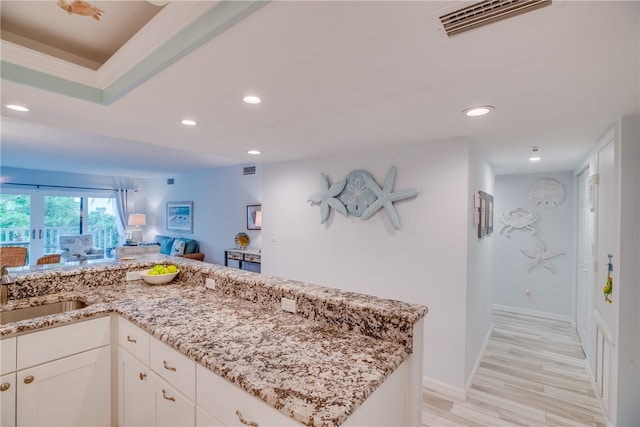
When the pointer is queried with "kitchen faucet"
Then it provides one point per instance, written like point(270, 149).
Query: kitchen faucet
point(5, 280)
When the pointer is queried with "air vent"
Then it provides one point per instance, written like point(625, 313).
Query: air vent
point(249, 170)
point(486, 12)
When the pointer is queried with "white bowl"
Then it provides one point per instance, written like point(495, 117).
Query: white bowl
point(158, 279)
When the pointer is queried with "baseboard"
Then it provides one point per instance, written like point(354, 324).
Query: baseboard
point(448, 391)
point(467, 389)
point(527, 312)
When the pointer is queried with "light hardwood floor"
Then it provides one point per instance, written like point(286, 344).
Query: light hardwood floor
point(532, 374)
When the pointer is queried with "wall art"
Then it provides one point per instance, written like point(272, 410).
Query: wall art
point(546, 192)
point(519, 219)
point(360, 196)
point(485, 214)
point(540, 256)
point(180, 216)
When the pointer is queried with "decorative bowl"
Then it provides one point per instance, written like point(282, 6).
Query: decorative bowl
point(158, 279)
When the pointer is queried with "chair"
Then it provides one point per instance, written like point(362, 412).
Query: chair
point(49, 259)
point(13, 256)
point(78, 246)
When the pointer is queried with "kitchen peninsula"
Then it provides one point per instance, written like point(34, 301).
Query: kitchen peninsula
point(341, 359)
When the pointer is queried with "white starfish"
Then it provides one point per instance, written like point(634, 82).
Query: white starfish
point(326, 197)
point(386, 197)
point(540, 256)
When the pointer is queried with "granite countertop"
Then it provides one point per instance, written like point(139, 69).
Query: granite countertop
point(311, 370)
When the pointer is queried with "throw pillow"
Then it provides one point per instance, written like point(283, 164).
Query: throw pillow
point(177, 248)
point(77, 248)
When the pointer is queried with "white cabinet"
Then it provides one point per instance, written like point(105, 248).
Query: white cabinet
point(62, 376)
point(8, 399)
point(73, 391)
point(221, 403)
point(156, 384)
point(135, 395)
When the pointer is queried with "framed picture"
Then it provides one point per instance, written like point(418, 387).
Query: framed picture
point(254, 217)
point(485, 214)
point(180, 216)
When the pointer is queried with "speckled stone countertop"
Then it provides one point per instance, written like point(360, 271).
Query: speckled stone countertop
point(316, 366)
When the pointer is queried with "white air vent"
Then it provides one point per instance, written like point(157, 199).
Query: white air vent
point(485, 13)
point(249, 170)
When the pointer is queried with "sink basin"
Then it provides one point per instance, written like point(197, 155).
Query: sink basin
point(40, 310)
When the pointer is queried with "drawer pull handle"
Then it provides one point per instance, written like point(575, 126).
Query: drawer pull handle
point(167, 367)
point(5, 386)
point(142, 376)
point(164, 394)
point(131, 339)
point(29, 379)
point(245, 422)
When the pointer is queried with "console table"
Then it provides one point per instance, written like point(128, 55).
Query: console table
point(242, 255)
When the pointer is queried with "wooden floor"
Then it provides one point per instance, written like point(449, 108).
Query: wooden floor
point(532, 374)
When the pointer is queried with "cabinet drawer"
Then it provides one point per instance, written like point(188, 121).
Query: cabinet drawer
point(134, 339)
point(8, 352)
point(39, 347)
point(252, 258)
point(235, 256)
point(177, 369)
point(221, 399)
point(173, 409)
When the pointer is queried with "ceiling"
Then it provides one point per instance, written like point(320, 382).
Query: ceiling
point(333, 76)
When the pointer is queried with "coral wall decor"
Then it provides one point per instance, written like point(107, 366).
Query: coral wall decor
point(546, 192)
point(540, 256)
point(519, 219)
point(360, 196)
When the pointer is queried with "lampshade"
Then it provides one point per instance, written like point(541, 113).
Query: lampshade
point(258, 219)
point(137, 219)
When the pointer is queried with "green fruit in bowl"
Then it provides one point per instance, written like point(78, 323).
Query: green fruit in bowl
point(158, 267)
point(172, 268)
point(153, 273)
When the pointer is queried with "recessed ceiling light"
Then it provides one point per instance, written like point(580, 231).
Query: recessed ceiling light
point(253, 152)
point(535, 158)
point(251, 99)
point(17, 107)
point(479, 110)
point(189, 122)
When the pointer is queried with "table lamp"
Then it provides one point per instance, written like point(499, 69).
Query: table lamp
point(137, 220)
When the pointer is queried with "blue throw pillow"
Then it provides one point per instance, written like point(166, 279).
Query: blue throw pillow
point(165, 244)
point(190, 245)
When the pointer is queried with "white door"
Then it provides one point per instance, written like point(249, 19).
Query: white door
point(8, 400)
point(584, 291)
point(173, 409)
point(136, 400)
point(73, 391)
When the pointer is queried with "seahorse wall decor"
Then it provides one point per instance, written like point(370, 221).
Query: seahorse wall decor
point(360, 196)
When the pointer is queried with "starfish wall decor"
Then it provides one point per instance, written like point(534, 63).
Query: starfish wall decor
point(360, 196)
point(540, 256)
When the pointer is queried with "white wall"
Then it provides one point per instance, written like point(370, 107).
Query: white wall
point(220, 197)
point(479, 268)
point(424, 262)
point(551, 293)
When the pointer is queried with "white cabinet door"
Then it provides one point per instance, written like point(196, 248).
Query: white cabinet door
point(74, 391)
point(8, 400)
point(135, 395)
point(172, 407)
point(203, 419)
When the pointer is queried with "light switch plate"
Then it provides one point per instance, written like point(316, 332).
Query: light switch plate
point(133, 275)
point(210, 283)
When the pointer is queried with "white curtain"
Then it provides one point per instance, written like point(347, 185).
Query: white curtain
point(122, 208)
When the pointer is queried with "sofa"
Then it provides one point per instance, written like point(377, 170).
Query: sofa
point(166, 245)
point(78, 247)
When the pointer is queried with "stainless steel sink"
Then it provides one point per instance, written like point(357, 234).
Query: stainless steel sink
point(40, 310)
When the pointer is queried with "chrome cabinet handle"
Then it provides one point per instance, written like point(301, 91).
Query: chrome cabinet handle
point(29, 379)
point(131, 339)
point(164, 394)
point(142, 376)
point(245, 422)
point(5, 386)
point(167, 367)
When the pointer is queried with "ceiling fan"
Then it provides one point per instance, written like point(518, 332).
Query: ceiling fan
point(83, 8)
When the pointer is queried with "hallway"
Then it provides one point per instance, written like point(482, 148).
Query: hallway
point(532, 373)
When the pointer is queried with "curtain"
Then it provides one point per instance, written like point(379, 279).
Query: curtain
point(122, 208)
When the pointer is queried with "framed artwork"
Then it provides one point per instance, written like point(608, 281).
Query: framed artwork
point(254, 217)
point(180, 216)
point(485, 214)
